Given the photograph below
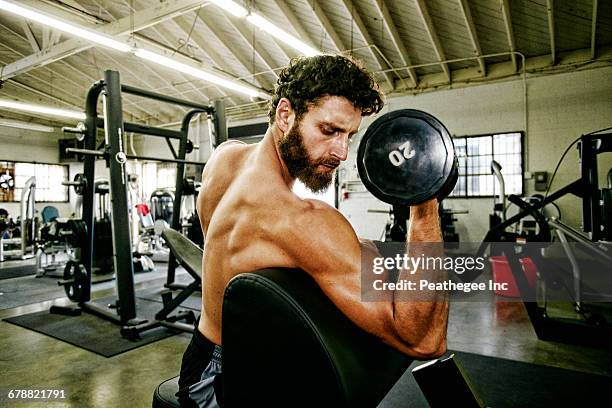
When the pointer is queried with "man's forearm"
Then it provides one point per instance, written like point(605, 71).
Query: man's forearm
point(422, 322)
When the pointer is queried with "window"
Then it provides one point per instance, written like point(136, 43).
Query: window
point(155, 176)
point(475, 154)
point(49, 179)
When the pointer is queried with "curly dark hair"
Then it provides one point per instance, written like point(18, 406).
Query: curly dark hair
point(307, 79)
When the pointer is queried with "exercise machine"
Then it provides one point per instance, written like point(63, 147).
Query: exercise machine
point(123, 312)
point(22, 246)
point(594, 244)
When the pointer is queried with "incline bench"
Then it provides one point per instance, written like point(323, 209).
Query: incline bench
point(189, 256)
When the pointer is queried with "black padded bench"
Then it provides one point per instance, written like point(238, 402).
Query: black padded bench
point(285, 344)
point(189, 256)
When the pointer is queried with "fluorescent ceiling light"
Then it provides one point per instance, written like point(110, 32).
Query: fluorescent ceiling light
point(25, 125)
point(92, 36)
point(198, 73)
point(232, 8)
point(267, 26)
point(64, 26)
point(27, 107)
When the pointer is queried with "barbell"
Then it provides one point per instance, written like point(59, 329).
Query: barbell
point(407, 157)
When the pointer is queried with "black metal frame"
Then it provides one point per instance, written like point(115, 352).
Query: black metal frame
point(124, 312)
point(563, 330)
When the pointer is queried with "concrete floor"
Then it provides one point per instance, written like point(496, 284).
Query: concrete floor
point(29, 360)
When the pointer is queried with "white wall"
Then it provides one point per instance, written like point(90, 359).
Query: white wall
point(30, 146)
point(559, 107)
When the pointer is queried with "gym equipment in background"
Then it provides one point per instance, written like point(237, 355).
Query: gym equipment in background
point(123, 312)
point(21, 245)
point(591, 328)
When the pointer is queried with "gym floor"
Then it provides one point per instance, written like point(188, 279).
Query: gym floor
point(33, 361)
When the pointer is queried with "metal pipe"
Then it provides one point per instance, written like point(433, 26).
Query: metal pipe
point(145, 129)
point(578, 237)
point(159, 97)
point(99, 153)
point(28, 203)
point(575, 267)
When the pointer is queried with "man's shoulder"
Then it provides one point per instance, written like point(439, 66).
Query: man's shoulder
point(315, 215)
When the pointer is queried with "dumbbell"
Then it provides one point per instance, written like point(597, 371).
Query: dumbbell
point(407, 157)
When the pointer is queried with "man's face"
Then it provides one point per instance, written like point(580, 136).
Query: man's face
point(314, 146)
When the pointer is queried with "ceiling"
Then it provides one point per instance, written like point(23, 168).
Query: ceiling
point(411, 45)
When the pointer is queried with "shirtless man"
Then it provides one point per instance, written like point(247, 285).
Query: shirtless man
point(252, 220)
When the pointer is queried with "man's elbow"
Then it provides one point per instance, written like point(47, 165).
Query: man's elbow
point(428, 350)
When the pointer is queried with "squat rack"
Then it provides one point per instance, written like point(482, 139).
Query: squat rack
point(111, 89)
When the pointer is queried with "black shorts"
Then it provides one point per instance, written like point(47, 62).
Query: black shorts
point(200, 379)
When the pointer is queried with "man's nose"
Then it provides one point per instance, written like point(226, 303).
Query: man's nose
point(340, 148)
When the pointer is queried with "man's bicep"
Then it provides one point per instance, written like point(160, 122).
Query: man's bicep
point(322, 241)
point(331, 253)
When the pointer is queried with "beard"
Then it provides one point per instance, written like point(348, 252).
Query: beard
point(300, 165)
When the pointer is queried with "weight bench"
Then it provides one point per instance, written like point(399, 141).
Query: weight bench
point(189, 256)
point(286, 344)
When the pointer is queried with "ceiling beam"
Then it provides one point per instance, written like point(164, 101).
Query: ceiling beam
point(294, 22)
point(166, 35)
point(505, 8)
point(46, 37)
point(433, 36)
point(367, 38)
point(137, 21)
point(248, 36)
point(469, 22)
point(594, 31)
point(236, 53)
point(287, 52)
point(30, 35)
point(63, 77)
point(550, 11)
point(326, 24)
point(129, 100)
point(383, 10)
point(170, 113)
point(202, 44)
point(174, 110)
point(56, 35)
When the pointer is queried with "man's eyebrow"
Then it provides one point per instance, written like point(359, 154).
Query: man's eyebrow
point(337, 128)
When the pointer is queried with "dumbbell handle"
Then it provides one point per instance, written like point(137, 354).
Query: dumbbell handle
point(71, 183)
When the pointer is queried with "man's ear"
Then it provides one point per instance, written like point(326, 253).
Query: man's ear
point(284, 115)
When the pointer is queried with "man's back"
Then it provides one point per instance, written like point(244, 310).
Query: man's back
point(241, 217)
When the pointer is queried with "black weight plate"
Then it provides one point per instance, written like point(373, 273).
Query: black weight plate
point(79, 189)
point(405, 157)
point(450, 183)
point(76, 274)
